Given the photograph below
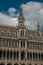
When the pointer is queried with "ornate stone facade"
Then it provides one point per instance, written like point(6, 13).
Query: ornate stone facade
point(20, 46)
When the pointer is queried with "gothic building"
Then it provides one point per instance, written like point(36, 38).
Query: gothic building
point(20, 46)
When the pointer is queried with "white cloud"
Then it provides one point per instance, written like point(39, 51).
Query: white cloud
point(33, 13)
point(6, 20)
point(11, 12)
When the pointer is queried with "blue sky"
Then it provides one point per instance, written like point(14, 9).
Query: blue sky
point(5, 4)
point(32, 10)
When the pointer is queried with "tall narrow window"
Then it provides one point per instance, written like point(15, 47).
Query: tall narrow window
point(22, 33)
point(14, 54)
point(0, 53)
point(27, 44)
point(28, 55)
point(36, 56)
point(22, 64)
point(22, 55)
point(6, 42)
point(0, 42)
point(42, 56)
point(17, 54)
point(11, 54)
point(3, 42)
point(4, 54)
point(2, 33)
point(7, 54)
point(22, 43)
point(39, 56)
point(33, 55)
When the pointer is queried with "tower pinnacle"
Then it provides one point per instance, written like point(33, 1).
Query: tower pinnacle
point(38, 27)
point(21, 18)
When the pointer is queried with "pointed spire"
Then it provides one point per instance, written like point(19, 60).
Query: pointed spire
point(20, 12)
point(21, 18)
point(38, 26)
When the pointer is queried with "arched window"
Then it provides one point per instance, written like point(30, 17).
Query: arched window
point(22, 33)
point(22, 43)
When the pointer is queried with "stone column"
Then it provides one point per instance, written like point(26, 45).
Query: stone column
point(26, 51)
point(19, 55)
point(29, 55)
point(5, 63)
point(35, 56)
point(32, 56)
point(13, 54)
point(40, 56)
